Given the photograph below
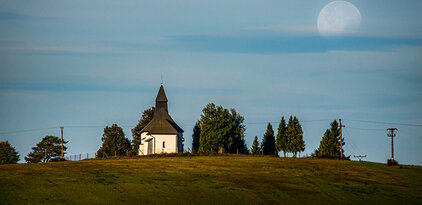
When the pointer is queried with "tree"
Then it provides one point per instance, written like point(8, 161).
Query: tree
point(329, 146)
point(146, 117)
point(300, 144)
point(195, 137)
point(48, 149)
point(255, 146)
point(221, 129)
point(268, 141)
point(290, 136)
point(282, 141)
point(8, 154)
point(114, 142)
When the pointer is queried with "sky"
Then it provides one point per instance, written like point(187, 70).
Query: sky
point(85, 65)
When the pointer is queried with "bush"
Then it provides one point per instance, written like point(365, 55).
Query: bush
point(57, 159)
point(392, 162)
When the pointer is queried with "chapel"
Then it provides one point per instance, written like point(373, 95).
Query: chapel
point(162, 134)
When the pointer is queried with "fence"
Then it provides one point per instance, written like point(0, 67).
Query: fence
point(77, 157)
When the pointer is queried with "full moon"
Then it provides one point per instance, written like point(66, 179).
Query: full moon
point(339, 18)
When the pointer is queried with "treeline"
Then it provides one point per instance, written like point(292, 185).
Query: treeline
point(219, 130)
point(289, 139)
point(222, 130)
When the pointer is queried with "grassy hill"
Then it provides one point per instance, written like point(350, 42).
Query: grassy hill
point(210, 180)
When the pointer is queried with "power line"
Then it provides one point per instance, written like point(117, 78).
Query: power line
point(264, 123)
point(246, 123)
point(385, 123)
point(58, 127)
point(369, 129)
point(28, 130)
point(356, 148)
point(319, 120)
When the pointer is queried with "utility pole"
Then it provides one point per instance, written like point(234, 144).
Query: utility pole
point(61, 128)
point(341, 139)
point(360, 157)
point(390, 133)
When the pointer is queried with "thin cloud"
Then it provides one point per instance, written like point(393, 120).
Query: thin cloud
point(269, 44)
point(61, 51)
point(282, 29)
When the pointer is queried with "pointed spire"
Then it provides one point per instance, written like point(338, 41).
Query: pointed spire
point(161, 100)
point(161, 96)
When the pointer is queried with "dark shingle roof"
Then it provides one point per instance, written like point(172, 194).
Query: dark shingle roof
point(162, 123)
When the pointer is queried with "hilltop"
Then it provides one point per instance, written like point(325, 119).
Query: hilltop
point(210, 180)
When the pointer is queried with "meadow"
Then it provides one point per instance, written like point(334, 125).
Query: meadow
point(228, 179)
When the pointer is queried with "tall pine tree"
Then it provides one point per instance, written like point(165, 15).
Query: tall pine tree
point(255, 147)
point(290, 132)
point(329, 146)
point(282, 141)
point(195, 137)
point(268, 142)
point(300, 144)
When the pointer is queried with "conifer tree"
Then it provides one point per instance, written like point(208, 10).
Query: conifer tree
point(329, 146)
point(282, 140)
point(300, 144)
point(268, 142)
point(8, 154)
point(255, 146)
point(48, 149)
point(195, 137)
point(290, 136)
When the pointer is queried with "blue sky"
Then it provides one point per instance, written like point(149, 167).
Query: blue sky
point(94, 63)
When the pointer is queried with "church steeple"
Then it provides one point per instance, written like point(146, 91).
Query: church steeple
point(161, 100)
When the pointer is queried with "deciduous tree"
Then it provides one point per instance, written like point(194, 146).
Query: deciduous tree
point(114, 142)
point(146, 117)
point(221, 129)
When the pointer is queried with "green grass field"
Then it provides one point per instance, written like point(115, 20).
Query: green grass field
point(210, 180)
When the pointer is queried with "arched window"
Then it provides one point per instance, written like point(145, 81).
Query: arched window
point(164, 144)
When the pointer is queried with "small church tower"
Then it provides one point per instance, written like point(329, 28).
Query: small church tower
point(162, 134)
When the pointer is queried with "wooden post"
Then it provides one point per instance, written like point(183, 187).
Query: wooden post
point(61, 128)
point(341, 139)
